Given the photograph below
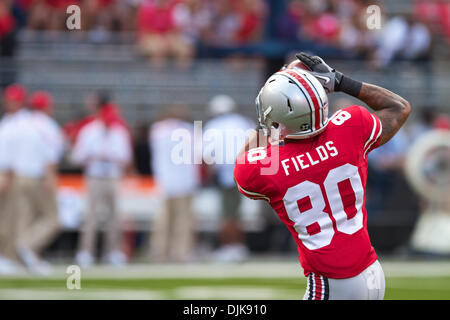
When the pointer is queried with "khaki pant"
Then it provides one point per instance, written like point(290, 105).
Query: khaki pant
point(160, 46)
point(231, 200)
point(35, 210)
point(6, 222)
point(102, 194)
point(173, 234)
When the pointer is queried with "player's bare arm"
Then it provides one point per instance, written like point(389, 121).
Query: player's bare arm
point(390, 108)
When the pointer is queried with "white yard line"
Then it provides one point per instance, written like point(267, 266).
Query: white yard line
point(280, 270)
point(63, 294)
point(188, 292)
point(225, 292)
point(242, 270)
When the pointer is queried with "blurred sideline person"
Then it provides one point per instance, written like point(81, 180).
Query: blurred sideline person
point(173, 234)
point(424, 122)
point(93, 102)
point(13, 100)
point(103, 148)
point(386, 163)
point(33, 160)
point(41, 104)
point(231, 128)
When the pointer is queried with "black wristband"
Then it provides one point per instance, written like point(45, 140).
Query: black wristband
point(349, 86)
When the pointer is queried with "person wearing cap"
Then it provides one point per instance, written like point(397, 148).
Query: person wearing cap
point(13, 100)
point(41, 103)
point(224, 134)
point(103, 149)
point(177, 176)
point(34, 183)
point(31, 164)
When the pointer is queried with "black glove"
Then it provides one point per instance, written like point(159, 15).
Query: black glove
point(331, 79)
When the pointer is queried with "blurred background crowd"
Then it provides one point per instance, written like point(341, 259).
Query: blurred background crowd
point(188, 28)
point(89, 116)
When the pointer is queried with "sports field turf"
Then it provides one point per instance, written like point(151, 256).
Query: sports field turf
point(255, 280)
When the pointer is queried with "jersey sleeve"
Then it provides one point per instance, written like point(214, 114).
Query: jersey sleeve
point(371, 130)
point(370, 127)
point(247, 179)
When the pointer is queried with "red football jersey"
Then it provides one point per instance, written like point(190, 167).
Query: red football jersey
point(317, 188)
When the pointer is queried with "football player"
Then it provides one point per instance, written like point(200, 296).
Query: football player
point(314, 175)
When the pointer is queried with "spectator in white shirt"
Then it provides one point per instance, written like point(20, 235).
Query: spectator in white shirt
point(402, 38)
point(103, 148)
point(224, 135)
point(176, 174)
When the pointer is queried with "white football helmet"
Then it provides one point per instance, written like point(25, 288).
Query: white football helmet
point(293, 102)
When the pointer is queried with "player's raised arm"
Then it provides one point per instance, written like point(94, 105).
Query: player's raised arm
point(390, 108)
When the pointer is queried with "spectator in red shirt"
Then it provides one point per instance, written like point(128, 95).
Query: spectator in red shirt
point(444, 11)
point(102, 16)
point(158, 32)
point(322, 26)
point(235, 22)
point(7, 22)
point(48, 14)
point(435, 14)
point(250, 21)
point(7, 41)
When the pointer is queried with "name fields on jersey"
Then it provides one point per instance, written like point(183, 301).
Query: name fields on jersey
point(305, 160)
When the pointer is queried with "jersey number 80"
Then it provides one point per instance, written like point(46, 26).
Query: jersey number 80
point(313, 225)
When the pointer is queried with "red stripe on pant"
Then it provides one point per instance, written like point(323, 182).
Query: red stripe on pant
point(318, 287)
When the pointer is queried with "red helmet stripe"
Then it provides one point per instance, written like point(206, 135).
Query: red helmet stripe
point(312, 94)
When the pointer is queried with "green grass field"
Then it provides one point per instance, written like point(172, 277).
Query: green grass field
point(255, 280)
